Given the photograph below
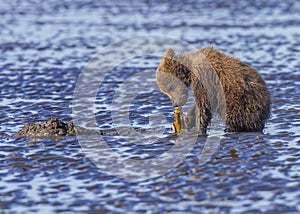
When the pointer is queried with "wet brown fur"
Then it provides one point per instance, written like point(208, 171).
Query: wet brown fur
point(246, 94)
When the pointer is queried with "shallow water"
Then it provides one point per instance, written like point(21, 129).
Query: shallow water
point(45, 46)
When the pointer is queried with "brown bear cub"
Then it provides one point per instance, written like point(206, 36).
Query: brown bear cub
point(246, 99)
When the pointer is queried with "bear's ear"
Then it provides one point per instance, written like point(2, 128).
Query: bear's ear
point(169, 53)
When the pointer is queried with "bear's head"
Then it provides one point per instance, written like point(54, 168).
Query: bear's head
point(173, 78)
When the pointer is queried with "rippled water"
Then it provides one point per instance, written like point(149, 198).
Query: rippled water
point(45, 46)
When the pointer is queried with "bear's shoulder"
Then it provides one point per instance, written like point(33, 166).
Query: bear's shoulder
point(210, 52)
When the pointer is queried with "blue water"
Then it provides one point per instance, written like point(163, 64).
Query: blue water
point(46, 45)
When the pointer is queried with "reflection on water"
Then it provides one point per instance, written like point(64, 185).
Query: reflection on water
point(44, 48)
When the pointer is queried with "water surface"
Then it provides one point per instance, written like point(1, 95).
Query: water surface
point(45, 46)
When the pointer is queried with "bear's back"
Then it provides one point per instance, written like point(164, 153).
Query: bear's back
point(247, 97)
point(234, 75)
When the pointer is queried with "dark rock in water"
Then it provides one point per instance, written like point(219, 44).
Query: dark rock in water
point(53, 127)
